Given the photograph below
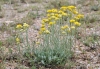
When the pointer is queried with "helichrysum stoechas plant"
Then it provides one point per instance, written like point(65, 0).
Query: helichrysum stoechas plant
point(57, 35)
point(20, 29)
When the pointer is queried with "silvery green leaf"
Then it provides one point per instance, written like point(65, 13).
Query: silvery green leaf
point(42, 61)
point(50, 59)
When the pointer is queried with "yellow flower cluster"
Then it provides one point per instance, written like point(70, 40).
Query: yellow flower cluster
point(53, 15)
point(76, 19)
point(22, 26)
point(74, 22)
point(52, 10)
point(64, 27)
point(25, 25)
point(79, 16)
point(70, 8)
point(77, 24)
point(44, 30)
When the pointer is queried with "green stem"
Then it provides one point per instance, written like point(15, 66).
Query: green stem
point(27, 43)
point(75, 35)
point(27, 37)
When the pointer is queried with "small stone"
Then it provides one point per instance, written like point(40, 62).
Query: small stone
point(16, 68)
point(36, 27)
point(8, 22)
point(1, 24)
point(82, 67)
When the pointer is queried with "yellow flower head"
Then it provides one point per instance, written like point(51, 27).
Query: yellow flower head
point(37, 42)
point(19, 26)
point(72, 7)
point(77, 23)
point(47, 32)
point(72, 21)
point(42, 26)
point(17, 40)
point(60, 15)
point(57, 15)
point(45, 20)
point(64, 27)
point(56, 18)
point(77, 18)
point(63, 32)
point(43, 29)
point(72, 27)
point(40, 32)
point(49, 18)
point(60, 12)
point(64, 14)
point(53, 17)
point(51, 23)
point(48, 15)
point(64, 8)
point(54, 10)
point(25, 25)
point(75, 12)
point(52, 14)
point(80, 16)
point(49, 11)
